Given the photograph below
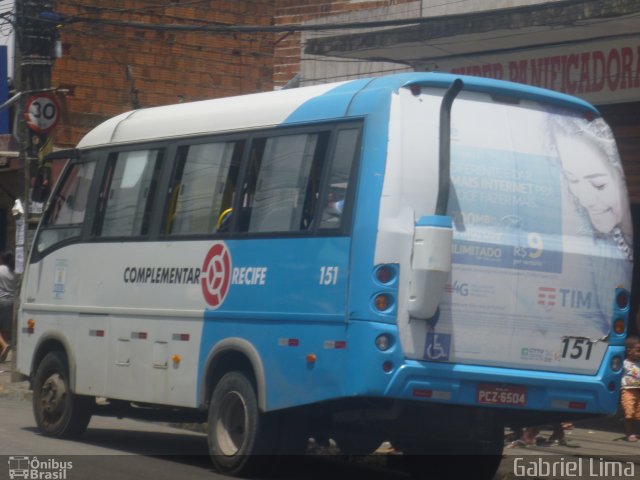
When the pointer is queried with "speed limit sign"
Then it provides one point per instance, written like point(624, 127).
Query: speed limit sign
point(42, 113)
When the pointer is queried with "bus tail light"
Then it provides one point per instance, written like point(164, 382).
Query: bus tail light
point(383, 302)
point(384, 342)
point(622, 299)
point(620, 318)
point(385, 274)
point(616, 364)
point(619, 326)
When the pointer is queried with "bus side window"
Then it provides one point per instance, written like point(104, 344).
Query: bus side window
point(65, 215)
point(336, 195)
point(203, 188)
point(127, 193)
point(281, 189)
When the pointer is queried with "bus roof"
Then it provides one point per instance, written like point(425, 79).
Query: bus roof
point(270, 109)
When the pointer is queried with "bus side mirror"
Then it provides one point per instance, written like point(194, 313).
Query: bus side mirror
point(42, 185)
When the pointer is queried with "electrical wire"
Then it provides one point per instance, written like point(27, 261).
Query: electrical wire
point(152, 7)
point(220, 27)
point(207, 45)
point(141, 11)
point(210, 27)
point(223, 28)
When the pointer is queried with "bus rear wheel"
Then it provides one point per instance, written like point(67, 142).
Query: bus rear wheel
point(240, 436)
point(58, 411)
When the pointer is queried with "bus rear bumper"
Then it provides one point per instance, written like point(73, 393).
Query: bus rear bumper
point(514, 389)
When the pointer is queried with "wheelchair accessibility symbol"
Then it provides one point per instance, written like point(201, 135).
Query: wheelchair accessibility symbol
point(437, 347)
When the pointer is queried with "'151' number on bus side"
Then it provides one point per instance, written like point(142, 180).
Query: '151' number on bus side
point(328, 275)
point(578, 345)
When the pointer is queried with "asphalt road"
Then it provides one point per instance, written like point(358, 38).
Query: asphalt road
point(111, 448)
point(116, 449)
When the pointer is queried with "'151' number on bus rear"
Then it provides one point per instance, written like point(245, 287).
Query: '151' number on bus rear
point(328, 275)
point(575, 347)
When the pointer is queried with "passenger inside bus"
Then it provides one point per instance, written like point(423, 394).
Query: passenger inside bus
point(333, 211)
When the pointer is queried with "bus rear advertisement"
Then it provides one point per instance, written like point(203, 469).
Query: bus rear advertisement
point(422, 259)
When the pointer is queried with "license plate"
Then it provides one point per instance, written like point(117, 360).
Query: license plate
point(502, 395)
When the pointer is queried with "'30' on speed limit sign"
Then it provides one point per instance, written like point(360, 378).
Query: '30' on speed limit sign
point(42, 113)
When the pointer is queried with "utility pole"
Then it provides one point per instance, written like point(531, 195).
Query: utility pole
point(36, 40)
point(36, 36)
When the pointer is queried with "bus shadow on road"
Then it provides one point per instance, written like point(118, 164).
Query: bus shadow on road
point(191, 449)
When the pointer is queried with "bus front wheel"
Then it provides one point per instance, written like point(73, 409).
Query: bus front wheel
point(239, 434)
point(58, 411)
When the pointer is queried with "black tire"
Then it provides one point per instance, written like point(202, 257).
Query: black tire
point(57, 410)
point(241, 438)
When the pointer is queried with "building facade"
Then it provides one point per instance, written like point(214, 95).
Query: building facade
point(110, 63)
point(109, 68)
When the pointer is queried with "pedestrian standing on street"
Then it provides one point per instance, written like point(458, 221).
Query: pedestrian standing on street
point(7, 296)
point(529, 436)
point(557, 436)
point(630, 394)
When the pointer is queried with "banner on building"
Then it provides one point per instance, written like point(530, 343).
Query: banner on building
point(603, 71)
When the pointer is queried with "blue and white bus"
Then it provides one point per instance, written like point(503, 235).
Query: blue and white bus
point(419, 258)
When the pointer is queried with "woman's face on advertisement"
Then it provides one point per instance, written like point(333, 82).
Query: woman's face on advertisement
point(592, 180)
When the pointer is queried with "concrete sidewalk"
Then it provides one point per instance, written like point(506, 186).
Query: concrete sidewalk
point(9, 389)
point(599, 437)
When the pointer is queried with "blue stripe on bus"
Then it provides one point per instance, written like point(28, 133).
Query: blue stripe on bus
point(332, 104)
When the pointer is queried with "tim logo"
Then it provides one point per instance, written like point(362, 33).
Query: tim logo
point(549, 297)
